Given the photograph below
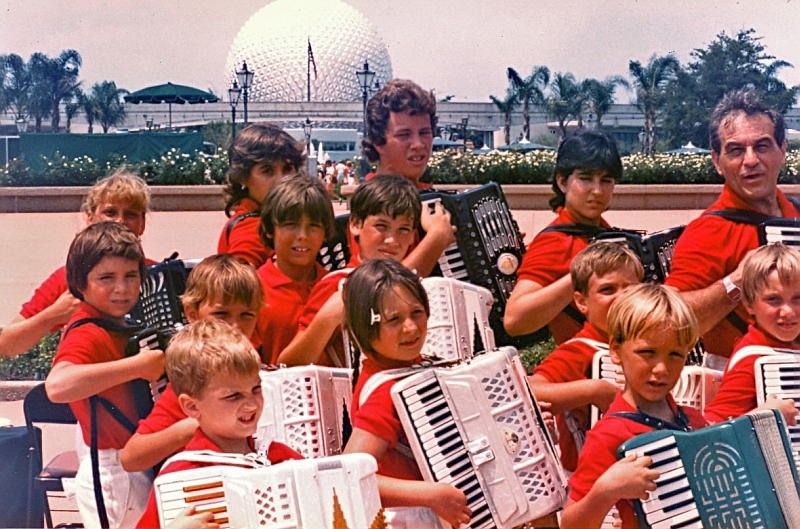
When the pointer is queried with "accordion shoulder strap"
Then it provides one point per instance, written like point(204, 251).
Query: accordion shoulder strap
point(750, 350)
point(599, 346)
point(577, 230)
point(219, 458)
point(740, 216)
point(236, 220)
point(378, 379)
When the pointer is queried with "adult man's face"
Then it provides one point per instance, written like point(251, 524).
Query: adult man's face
point(409, 140)
point(750, 159)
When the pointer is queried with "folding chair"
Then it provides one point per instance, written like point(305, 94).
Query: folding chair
point(39, 409)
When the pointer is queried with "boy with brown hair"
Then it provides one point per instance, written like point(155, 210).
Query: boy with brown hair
point(220, 287)
point(214, 370)
point(120, 197)
point(296, 219)
point(599, 273)
point(104, 268)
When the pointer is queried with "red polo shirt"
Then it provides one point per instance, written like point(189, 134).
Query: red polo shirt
point(243, 240)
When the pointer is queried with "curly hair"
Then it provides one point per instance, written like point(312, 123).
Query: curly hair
point(399, 95)
point(258, 144)
point(749, 102)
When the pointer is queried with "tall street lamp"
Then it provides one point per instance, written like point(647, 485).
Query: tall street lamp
point(365, 78)
point(233, 96)
point(464, 122)
point(245, 78)
point(22, 125)
point(307, 126)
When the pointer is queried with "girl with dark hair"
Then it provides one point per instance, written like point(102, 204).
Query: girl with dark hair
point(386, 314)
point(259, 156)
point(587, 167)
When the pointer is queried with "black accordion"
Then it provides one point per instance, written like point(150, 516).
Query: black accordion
point(786, 231)
point(488, 248)
point(335, 252)
point(654, 249)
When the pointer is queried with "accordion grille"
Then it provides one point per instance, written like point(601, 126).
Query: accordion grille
point(520, 432)
point(439, 340)
point(769, 436)
point(302, 416)
point(275, 506)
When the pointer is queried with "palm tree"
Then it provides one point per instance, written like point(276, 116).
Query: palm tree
point(650, 82)
point(506, 106)
point(529, 90)
point(15, 83)
point(600, 96)
point(72, 108)
point(56, 80)
point(89, 109)
point(565, 101)
point(110, 110)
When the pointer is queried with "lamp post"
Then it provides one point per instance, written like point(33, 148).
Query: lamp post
point(464, 122)
point(22, 125)
point(307, 126)
point(149, 123)
point(447, 133)
point(365, 78)
point(233, 96)
point(245, 78)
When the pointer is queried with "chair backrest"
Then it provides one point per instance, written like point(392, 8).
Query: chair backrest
point(39, 408)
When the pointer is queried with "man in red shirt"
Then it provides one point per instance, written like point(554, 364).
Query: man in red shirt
point(748, 149)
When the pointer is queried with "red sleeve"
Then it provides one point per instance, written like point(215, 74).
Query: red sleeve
point(245, 242)
point(321, 292)
point(378, 416)
point(279, 452)
point(567, 363)
point(166, 412)
point(47, 294)
point(548, 257)
point(737, 392)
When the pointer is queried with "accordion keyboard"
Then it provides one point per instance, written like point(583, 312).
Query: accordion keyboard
point(204, 494)
point(786, 231)
point(779, 375)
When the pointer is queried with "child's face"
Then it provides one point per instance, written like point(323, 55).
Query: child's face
point(601, 292)
point(120, 212)
point(236, 314)
point(112, 286)
point(228, 409)
point(384, 237)
point(404, 325)
point(776, 309)
point(586, 195)
point(652, 365)
point(263, 176)
point(297, 243)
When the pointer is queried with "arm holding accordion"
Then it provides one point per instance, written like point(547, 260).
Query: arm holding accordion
point(438, 236)
point(531, 306)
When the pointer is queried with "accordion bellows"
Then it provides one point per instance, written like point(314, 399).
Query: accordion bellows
point(477, 426)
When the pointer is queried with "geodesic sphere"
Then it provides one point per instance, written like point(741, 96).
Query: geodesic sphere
point(274, 43)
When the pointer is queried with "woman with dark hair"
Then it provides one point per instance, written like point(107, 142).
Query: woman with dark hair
point(587, 166)
point(259, 156)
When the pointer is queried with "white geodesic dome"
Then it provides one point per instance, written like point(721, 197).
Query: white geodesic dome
point(274, 43)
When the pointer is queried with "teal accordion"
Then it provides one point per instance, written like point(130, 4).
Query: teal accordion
point(736, 474)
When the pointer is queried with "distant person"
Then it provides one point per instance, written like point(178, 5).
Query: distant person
point(120, 197)
point(260, 155)
point(748, 144)
point(587, 167)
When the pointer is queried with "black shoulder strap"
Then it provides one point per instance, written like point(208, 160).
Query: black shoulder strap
point(236, 220)
point(740, 216)
point(577, 230)
point(105, 324)
point(681, 420)
point(795, 202)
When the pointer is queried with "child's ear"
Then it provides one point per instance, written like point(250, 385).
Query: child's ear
point(749, 310)
point(190, 310)
point(189, 406)
point(612, 352)
point(580, 302)
point(355, 227)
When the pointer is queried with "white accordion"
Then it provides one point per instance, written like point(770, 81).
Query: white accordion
point(458, 326)
point(779, 375)
point(696, 387)
point(306, 408)
point(478, 427)
point(338, 491)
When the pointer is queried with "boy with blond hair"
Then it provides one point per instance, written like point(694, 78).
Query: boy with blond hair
point(220, 287)
point(771, 295)
point(296, 219)
point(120, 197)
point(599, 273)
point(104, 268)
point(214, 370)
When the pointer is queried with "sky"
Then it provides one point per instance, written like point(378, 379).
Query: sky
point(456, 47)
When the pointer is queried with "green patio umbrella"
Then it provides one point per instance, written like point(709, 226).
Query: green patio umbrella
point(170, 93)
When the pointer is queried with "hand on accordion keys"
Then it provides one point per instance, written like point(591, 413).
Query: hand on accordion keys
point(629, 478)
point(149, 364)
point(785, 406)
point(189, 519)
point(436, 224)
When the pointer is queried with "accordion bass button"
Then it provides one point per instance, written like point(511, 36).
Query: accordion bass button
point(507, 263)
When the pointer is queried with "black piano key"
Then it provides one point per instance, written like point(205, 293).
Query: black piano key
point(678, 505)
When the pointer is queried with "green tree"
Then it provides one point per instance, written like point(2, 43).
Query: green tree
point(89, 108)
point(15, 84)
point(565, 101)
point(529, 90)
point(506, 106)
point(55, 80)
point(650, 83)
point(599, 96)
point(107, 99)
point(727, 64)
point(72, 108)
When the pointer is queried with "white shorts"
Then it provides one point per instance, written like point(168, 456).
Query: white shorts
point(125, 493)
point(411, 518)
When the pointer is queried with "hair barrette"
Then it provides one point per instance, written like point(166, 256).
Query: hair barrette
point(374, 317)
